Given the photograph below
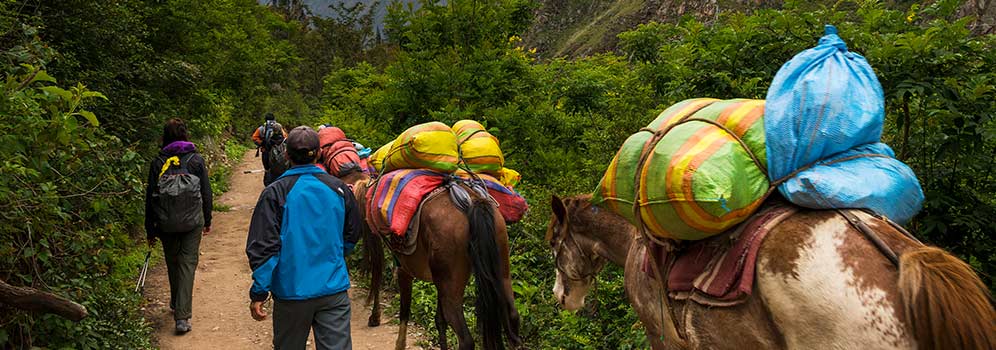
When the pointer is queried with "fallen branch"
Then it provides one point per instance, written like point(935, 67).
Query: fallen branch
point(31, 299)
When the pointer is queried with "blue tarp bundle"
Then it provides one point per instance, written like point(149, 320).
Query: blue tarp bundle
point(823, 123)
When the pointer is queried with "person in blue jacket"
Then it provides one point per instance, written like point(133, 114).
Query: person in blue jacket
point(303, 226)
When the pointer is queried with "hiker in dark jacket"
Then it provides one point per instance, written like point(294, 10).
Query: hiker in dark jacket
point(178, 224)
point(303, 226)
point(259, 137)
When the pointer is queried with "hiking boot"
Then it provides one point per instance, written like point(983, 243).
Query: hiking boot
point(182, 326)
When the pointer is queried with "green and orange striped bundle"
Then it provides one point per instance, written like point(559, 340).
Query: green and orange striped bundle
point(478, 148)
point(425, 146)
point(695, 171)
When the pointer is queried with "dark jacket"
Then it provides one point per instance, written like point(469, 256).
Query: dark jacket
point(304, 225)
point(196, 167)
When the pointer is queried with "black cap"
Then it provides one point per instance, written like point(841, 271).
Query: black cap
point(302, 145)
point(269, 116)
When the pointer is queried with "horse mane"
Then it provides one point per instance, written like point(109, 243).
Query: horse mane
point(946, 303)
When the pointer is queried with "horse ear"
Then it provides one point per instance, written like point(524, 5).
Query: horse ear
point(559, 209)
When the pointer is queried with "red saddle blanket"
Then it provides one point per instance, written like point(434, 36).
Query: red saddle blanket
point(511, 205)
point(719, 271)
point(395, 200)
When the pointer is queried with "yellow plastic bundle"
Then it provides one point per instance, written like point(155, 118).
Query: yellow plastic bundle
point(480, 150)
point(509, 177)
point(430, 146)
point(377, 158)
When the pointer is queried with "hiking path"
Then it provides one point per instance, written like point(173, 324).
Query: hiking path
point(221, 317)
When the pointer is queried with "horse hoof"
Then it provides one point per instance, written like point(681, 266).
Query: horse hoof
point(373, 322)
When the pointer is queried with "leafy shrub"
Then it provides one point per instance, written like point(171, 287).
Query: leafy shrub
point(68, 195)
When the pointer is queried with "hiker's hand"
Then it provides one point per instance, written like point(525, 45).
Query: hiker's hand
point(256, 309)
point(207, 229)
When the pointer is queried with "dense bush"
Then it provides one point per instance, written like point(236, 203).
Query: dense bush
point(74, 161)
point(67, 199)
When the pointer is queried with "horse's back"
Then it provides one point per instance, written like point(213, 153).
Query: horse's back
point(826, 286)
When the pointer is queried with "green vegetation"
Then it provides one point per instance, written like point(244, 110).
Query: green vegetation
point(74, 160)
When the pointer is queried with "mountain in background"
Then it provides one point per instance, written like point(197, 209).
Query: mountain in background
point(583, 27)
point(323, 8)
point(580, 28)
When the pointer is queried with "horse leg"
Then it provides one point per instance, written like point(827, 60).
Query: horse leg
point(441, 324)
point(450, 294)
point(375, 255)
point(512, 322)
point(405, 284)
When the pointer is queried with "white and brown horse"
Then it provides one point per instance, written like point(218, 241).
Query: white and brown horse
point(820, 284)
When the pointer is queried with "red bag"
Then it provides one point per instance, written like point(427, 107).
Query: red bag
point(338, 154)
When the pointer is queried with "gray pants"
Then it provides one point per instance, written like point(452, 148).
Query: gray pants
point(181, 251)
point(329, 316)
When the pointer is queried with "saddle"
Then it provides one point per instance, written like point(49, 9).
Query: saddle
point(719, 271)
point(394, 203)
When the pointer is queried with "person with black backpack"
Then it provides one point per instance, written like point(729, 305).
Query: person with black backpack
point(269, 139)
point(178, 207)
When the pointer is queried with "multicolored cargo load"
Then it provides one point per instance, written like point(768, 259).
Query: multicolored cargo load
point(430, 146)
point(697, 170)
point(479, 149)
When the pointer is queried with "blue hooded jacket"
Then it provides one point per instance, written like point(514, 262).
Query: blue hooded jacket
point(303, 226)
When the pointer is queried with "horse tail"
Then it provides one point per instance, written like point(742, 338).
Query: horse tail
point(483, 250)
point(946, 303)
point(373, 254)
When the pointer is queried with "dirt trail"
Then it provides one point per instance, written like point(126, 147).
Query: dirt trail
point(221, 303)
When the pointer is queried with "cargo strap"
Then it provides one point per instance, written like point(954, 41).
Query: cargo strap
point(871, 235)
point(667, 312)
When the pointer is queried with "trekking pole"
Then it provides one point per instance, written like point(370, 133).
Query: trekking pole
point(252, 171)
point(140, 285)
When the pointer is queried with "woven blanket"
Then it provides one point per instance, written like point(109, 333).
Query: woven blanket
point(395, 200)
point(719, 271)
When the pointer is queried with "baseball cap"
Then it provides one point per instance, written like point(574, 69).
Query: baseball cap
point(302, 142)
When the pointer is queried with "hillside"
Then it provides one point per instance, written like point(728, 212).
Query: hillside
point(580, 28)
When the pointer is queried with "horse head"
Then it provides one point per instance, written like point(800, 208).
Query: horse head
point(574, 252)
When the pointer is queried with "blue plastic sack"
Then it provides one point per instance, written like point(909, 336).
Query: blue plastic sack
point(863, 177)
point(825, 108)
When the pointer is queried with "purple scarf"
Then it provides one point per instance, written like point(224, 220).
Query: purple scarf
point(179, 147)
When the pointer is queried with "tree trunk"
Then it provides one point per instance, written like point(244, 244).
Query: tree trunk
point(31, 299)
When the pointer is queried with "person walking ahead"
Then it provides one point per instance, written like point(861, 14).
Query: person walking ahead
point(267, 136)
point(303, 226)
point(178, 207)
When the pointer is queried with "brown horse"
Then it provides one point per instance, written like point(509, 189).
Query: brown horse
point(355, 177)
point(820, 284)
point(451, 245)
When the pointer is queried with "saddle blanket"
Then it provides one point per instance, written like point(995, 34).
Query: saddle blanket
point(719, 271)
point(511, 204)
point(396, 198)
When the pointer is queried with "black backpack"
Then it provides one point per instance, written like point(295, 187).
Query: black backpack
point(178, 202)
point(278, 159)
point(272, 133)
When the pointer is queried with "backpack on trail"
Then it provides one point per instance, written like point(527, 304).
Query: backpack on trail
point(278, 159)
point(178, 199)
point(272, 133)
point(273, 142)
point(338, 154)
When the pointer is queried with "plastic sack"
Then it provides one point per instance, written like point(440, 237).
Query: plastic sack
point(425, 146)
point(697, 179)
point(479, 149)
point(376, 159)
point(826, 104)
point(863, 177)
point(509, 178)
